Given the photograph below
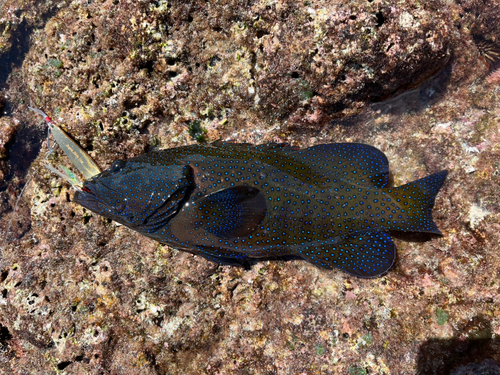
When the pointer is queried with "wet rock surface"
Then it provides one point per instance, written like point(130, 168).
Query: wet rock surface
point(81, 295)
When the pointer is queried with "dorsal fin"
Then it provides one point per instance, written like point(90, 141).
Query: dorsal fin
point(271, 146)
point(351, 162)
point(277, 147)
point(233, 212)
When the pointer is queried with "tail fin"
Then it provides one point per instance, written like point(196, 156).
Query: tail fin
point(431, 184)
point(417, 200)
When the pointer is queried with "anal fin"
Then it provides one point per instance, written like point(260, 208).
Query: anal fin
point(367, 254)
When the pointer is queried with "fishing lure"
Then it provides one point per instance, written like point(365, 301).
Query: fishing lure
point(80, 159)
point(328, 204)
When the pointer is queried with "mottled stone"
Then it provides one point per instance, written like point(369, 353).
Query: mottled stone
point(82, 295)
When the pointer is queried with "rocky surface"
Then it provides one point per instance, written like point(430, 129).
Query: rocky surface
point(81, 295)
point(8, 128)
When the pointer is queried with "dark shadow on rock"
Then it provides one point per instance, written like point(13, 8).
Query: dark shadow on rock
point(285, 258)
point(14, 58)
point(414, 236)
point(23, 151)
point(28, 139)
point(403, 101)
point(471, 351)
point(20, 39)
point(416, 99)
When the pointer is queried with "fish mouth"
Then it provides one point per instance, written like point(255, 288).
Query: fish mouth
point(86, 198)
point(89, 197)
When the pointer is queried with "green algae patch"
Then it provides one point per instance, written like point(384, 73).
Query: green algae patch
point(305, 90)
point(368, 339)
point(442, 316)
point(320, 349)
point(56, 63)
point(197, 132)
point(357, 371)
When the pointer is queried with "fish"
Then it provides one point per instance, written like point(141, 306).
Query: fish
point(328, 204)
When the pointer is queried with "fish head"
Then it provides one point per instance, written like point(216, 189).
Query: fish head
point(140, 193)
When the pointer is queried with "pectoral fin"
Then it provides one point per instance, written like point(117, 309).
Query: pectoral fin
point(232, 213)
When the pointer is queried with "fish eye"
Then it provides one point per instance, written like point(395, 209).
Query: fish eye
point(117, 165)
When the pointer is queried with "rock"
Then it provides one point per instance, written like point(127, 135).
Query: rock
point(79, 294)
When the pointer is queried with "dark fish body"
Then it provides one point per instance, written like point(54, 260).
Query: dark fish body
point(328, 204)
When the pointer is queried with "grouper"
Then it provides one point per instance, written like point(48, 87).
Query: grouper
point(329, 204)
